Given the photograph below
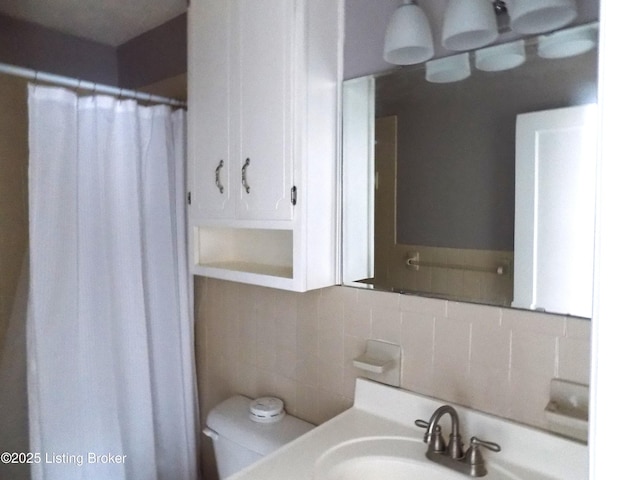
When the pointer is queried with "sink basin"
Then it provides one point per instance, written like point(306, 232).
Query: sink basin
point(379, 458)
point(400, 458)
point(378, 469)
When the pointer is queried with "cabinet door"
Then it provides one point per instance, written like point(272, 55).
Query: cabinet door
point(210, 175)
point(555, 210)
point(262, 87)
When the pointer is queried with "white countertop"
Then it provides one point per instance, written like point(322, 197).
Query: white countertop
point(382, 411)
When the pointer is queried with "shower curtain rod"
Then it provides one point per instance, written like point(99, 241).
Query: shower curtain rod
point(87, 85)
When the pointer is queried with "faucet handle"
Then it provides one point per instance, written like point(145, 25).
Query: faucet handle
point(421, 423)
point(437, 443)
point(475, 441)
point(474, 459)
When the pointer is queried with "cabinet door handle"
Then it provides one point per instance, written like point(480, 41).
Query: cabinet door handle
point(218, 184)
point(245, 184)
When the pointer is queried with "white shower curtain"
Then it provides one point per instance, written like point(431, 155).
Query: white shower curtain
point(110, 342)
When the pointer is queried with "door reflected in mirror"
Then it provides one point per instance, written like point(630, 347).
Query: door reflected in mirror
point(432, 201)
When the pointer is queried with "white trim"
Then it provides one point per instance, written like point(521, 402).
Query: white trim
point(616, 329)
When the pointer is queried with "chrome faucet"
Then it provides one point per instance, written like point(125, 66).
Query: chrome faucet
point(453, 455)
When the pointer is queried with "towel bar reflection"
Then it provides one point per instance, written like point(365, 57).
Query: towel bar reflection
point(413, 262)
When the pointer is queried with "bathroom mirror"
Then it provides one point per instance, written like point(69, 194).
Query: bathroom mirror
point(429, 179)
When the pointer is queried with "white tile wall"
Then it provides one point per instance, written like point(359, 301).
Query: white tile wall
point(258, 341)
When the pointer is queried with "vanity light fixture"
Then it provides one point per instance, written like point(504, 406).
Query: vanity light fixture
point(471, 24)
point(448, 69)
point(537, 16)
point(569, 42)
point(501, 57)
point(408, 39)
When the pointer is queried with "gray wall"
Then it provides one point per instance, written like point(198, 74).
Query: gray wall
point(158, 54)
point(365, 24)
point(153, 56)
point(456, 146)
point(29, 45)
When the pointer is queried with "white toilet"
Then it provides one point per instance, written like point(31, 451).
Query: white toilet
point(245, 430)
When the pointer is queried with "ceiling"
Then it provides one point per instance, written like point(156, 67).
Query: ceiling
point(111, 22)
point(114, 22)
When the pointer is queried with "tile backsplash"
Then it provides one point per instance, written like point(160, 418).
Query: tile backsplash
point(258, 341)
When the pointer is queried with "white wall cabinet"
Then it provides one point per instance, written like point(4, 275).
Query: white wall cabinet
point(264, 81)
point(555, 205)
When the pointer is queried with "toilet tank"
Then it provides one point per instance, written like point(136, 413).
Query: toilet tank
point(239, 441)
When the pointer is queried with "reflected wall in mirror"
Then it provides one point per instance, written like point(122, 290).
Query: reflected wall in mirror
point(431, 191)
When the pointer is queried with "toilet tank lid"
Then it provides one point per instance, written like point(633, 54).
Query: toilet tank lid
point(231, 419)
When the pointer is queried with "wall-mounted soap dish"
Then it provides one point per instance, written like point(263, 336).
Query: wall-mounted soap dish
point(381, 362)
point(567, 412)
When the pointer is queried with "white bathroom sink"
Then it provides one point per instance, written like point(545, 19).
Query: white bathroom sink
point(376, 439)
point(400, 458)
point(379, 458)
point(379, 468)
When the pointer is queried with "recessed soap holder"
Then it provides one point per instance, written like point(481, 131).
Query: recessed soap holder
point(381, 362)
point(568, 409)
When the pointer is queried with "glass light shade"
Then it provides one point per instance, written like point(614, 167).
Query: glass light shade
point(536, 16)
point(567, 43)
point(408, 39)
point(448, 69)
point(469, 24)
point(501, 57)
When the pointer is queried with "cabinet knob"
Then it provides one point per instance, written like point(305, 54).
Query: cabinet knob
point(245, 183)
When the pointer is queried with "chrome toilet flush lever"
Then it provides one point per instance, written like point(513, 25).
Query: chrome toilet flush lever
point(452, 455)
